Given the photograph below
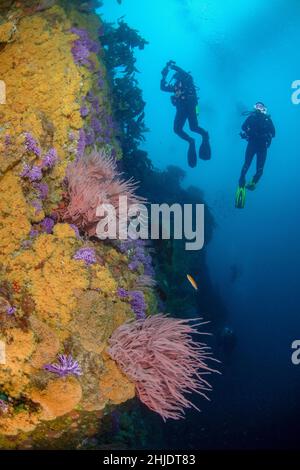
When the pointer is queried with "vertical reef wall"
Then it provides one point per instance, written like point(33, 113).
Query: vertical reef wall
point(52, 301)
point(79, 330)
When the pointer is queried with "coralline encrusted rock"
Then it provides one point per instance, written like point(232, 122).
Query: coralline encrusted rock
point(7, 31)
point(58, 398)
point(51, 302)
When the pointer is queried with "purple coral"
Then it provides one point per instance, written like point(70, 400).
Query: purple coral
point(35, 174)
point(32, 145)
point(138, 255)
point(96, 125)
point(122, 293)
point(50, 159)
point(80, 53)
point(96, 105)
point(66, 366)
point(81, 144)
point(33, 233)
point(86, 254)
point(90, 137)
point(84, 111)
point(141, 257)
point(43, 189)
point(83, 47)
point(101, 82)
point(137, 301)
point(25, 171)
point(32, 173)
point(36, 203)
point(47, 225)
point(138, 304)
point(75, 230)
point(11, 310)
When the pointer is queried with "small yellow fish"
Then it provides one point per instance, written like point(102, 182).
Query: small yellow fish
point(192, 281)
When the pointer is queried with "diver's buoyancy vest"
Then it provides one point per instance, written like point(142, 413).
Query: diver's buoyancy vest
point(259, 127)
point(185, 91)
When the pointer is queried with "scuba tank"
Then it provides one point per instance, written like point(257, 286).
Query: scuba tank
point(184, 86)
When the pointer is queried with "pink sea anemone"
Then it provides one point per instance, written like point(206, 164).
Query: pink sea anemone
point(159, 355)
point(93, 180)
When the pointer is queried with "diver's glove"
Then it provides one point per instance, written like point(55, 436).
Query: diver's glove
point(244, 135)
point(166, 68)
point(268, 141)
point(171, 63)
point(165, 71)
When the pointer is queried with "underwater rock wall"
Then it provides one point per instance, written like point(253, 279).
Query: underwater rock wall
point(53, 302)
point(66, 355)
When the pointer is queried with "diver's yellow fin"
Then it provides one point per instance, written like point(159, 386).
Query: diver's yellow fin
point(240, 197)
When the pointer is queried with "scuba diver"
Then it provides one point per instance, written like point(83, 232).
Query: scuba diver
point(258, 130)
point(185, 100)
point(227, 339)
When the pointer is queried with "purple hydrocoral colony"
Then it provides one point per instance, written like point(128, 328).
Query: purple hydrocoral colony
point(138, 304)
point(100, 82)
point(47, 225)
point(84, 111)
point(50, 159)
point(66, 366)
point(90, 137)
point(43, 189)
point(75, 230)
point(137, 301)
point(122, 293)
point(32, 145)
point(86, 254)
point(96, 105)
point(139, 256)
point(81, 144)
point(11, 310)
point(96, 125)
point(32, 173)
point(36, 203)
point(33, 233)
point(83, 47)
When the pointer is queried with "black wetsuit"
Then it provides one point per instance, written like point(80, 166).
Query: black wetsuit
point(259, 131)
point(185, 100)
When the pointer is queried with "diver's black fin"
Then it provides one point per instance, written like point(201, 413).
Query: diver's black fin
point(251, 186)
point(192, 155)
point(240, 197)
point(205, 150)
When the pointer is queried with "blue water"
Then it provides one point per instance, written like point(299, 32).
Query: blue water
point(238, 52)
